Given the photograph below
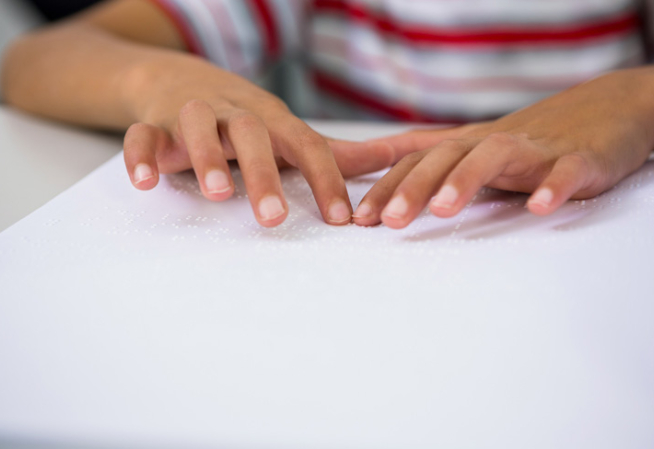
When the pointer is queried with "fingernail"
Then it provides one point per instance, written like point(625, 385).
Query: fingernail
point(397, 208)
point(446, 197)
point(339, 212)
point(543, 197)
point(216, 181)
point(271, 207)
point(142, 172)
point(363, 211)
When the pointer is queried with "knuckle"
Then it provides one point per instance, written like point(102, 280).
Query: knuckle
point(132, 149)
point(417, 156)
point(503, 139)
point(263, 168)
point(595, 170)
point(450, 143)
point(310, 139)
point(332, 178)
point(273, 103)
point(137, 138)
point(244, 121)
point(299, 136)
point(192, 107)
point(131, 146)
point(139, 129)
point(413, 158)
point(470, 167)
point(454, 145)
point(576, 160)
point(305, 137)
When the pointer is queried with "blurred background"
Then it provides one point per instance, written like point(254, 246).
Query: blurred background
point(17, 16)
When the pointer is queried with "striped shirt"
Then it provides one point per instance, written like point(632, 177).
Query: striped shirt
point(418, 60)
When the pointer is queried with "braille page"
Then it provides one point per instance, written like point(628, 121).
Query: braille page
point(160, 319)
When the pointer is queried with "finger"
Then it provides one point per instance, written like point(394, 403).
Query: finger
point(249, 139)
point(488, 160)
point(197, 121)
point(414, 192)
point(571, 174)
point(368, 212)
point(421, 139)
point(141, 144)
point(358, 158)
point(309, 151)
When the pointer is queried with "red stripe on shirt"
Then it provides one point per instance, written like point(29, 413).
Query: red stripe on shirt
point(269, 27)
point(337, 88)
point(338, 46)
point(555, 33)
point(181, 22)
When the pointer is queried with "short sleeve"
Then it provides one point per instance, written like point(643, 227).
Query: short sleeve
point(243, 36)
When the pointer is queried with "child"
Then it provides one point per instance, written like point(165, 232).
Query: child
point(148, 64)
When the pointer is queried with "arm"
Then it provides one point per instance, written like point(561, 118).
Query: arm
point(120, 64)
point(86, 70)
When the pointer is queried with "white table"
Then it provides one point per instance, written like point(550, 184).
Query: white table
point(132, 319)
point(41, 159)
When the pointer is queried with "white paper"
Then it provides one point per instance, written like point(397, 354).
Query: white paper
point(148, 318)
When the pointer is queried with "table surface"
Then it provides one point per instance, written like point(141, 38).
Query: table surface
point(158, 319)
point(41, 159)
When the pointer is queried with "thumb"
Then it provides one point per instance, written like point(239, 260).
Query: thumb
point(358, 158)
point(422, 138)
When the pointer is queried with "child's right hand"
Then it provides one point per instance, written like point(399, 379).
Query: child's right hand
point(194, 115)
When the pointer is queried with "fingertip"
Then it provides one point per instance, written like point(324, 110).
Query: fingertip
point(363, 211)
point(220, 196)
point(271, 211)
point(539, 209)
point(395, 214)
point(541, 202)
point(394, 222)
point(442, 212)
point(339, 213)
point(144, 177)
point(366, 222)
point(140, 144)
point(444, 204)
point(365, 215)
point(218, 185)
point(273, 222)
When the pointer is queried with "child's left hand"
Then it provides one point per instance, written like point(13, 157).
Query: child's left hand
point(575, 144)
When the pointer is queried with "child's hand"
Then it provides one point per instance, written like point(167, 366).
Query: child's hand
point(576, 144)
point(123, 62)
point(195, 115)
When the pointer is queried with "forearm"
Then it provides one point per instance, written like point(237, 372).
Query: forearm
point(78, 73)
